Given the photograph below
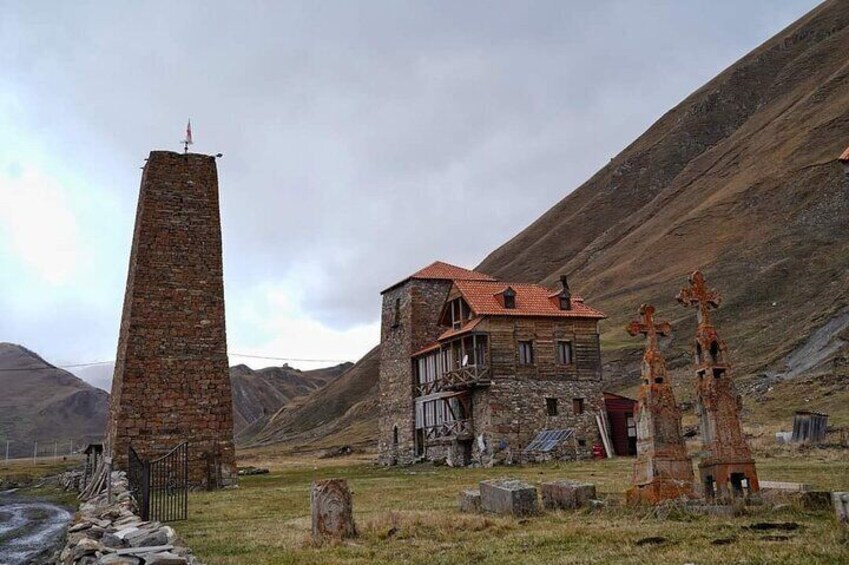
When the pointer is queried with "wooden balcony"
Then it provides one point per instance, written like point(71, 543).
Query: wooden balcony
point(453, 430)
point(465, 377)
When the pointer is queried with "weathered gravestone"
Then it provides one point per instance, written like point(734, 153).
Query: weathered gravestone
point(567, 494)
point(470, 501)
point(508, 496)
point(332, 509)
point(841, 506)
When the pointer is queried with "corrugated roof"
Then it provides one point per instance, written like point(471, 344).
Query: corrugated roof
point(439, 270)
point(531, 300)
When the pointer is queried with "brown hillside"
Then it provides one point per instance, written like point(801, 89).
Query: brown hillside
point(740, 180)
point(45, 404)
point(260, 393)
point(343, 412)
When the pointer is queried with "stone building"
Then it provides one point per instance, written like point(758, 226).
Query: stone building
point(727, 470)
point(663, 470)
point(474, 369)
point(171, 382)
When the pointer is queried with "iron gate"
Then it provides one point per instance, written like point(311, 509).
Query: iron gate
point(161, 486)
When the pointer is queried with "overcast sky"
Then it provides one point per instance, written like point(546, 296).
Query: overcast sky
point(361, 140)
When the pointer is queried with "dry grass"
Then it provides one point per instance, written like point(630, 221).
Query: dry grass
point(409, 515)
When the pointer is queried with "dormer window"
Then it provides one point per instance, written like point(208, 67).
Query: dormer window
point(509, 298)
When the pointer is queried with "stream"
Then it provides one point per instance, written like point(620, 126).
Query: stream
point(29, 529)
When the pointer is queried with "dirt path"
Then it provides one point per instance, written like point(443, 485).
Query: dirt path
point(29, 529)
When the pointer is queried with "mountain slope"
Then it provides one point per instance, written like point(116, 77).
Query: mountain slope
point(343, 412)
point(42, 403)
point(260, 393)
point(739, 180)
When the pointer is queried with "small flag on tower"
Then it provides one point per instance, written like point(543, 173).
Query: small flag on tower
point(188, 140)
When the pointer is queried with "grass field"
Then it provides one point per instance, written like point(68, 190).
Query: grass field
point(409, 515)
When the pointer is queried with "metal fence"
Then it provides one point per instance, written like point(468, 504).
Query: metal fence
point(161, 486)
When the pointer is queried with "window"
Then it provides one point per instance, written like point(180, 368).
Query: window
point(564, 352)
point(397, 315)
point(526, 353)
point(551, 406)
point(578, 406)
point(510, 298)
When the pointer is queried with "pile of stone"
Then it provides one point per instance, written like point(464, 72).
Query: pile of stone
point(72, 480)
point(513, 497)
point(251, 470)
point(110, 532)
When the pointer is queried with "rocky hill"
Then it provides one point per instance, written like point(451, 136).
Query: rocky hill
point(45, 404)
point(740, 180)
point(258, 394)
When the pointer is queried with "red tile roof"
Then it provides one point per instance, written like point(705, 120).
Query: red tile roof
point(531, 300)
point(444, 271)
point(428, 348)
point(845, 157)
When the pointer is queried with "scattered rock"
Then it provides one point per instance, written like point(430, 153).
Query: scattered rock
point(508, 496)
point(342, 451)
point(253, 471)
point(470, 501)
point(566, 494)
point(163, 558)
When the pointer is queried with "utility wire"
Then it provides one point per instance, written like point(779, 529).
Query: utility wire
point(267, 358)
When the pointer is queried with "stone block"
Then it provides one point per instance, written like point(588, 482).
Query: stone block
point(841, 506)
point(508, 496)
point(566, 494)
point(470, 501)
point(332, 509)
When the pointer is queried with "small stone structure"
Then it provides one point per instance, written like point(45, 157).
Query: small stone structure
point(728, 468)
point(110, 532)
point(172, 382)
point(332, 509)
point(566, 494)
point(508, 496)
point(470, 501)
point(841, 507)
point(663, 470)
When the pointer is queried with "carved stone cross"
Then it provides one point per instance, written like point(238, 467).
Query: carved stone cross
point(698, 294)
point(647, 326)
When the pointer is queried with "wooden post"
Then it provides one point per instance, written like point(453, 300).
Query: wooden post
point(332, 509)
point(34, 452)
point(7, 453)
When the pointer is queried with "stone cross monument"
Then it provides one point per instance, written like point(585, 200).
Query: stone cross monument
point(728, 469)
point(171, 382)
point(662, 470)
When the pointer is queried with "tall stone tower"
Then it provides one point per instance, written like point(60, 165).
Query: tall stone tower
point(171, 381)
point(728, 469)
point(663, 470)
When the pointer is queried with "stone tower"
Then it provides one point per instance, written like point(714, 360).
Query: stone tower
point(663, 470)
point(409, 322)
point(728, 469)
point(171, 381)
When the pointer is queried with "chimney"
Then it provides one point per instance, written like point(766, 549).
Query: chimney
point(565, 294)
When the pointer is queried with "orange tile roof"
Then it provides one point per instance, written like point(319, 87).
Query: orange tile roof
point(845, 157)
point(531, 300)
point(444, 271)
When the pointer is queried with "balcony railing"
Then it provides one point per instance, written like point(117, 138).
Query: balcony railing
point(469, 376)
point(464, 377)
point(455, 429)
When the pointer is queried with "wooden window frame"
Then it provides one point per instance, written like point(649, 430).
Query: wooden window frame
point(526, 360)
point(559, 350)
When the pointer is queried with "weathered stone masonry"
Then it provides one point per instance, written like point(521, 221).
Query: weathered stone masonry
point(171, 380)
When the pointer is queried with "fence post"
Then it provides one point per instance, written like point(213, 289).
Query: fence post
point(7, 453)
point(145, 493)
point(34, 453)
point(108, 480)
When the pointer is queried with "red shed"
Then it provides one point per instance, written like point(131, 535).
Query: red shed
point(623, 427)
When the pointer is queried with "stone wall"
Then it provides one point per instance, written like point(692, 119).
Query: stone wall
point(419, 303)
point(171, 380)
